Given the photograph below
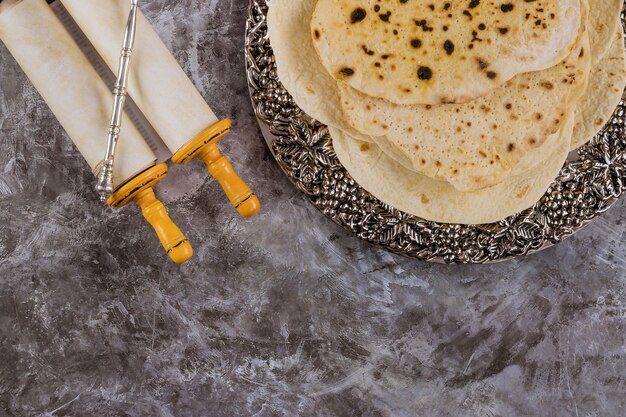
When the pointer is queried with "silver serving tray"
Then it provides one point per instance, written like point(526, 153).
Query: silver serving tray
point(591, 181)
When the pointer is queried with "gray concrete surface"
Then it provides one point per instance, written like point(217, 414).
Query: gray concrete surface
point(282, 315)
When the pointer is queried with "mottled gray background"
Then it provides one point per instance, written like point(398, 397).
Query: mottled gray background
point(282, 315)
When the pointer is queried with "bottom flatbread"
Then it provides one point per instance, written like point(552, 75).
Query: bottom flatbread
point(439, 201)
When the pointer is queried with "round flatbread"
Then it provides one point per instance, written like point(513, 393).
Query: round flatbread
point(426, 52)
point(606, 88)
point(477, 144)
point(435, 200)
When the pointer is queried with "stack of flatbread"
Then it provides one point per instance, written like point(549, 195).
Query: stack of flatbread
point(456, 112)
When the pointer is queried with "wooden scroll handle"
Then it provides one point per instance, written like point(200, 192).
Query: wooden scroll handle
point(204, 146)
point(140, 190)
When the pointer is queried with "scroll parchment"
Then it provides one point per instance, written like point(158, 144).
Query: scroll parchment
point(157, 83)
point(70, 86)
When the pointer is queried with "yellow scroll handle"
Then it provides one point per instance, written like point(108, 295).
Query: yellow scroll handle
point(140, 190)
point(204, 146)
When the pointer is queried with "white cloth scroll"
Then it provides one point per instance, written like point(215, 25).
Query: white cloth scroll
point(70, 86)
point(157, 83)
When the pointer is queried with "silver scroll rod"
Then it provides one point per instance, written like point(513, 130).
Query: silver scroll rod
point(104, 185)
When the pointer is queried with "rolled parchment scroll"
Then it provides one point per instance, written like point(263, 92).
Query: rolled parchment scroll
point(70, 86)
point(164, 93)
point(81, 102)
point(157, 83)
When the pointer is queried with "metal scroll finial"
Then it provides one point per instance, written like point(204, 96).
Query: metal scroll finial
point(104, 185)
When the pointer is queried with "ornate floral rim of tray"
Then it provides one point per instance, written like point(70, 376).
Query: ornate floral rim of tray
point(586, 187)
